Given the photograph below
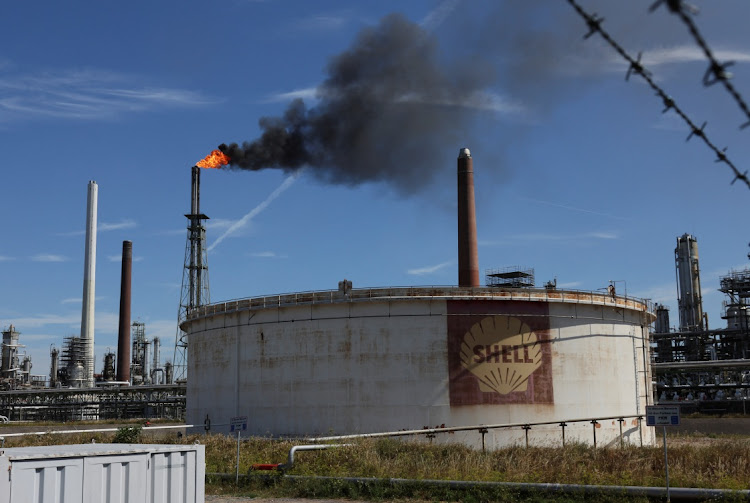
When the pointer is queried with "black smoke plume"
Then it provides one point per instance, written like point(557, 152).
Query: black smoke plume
point(395, 109)
point(386, 112)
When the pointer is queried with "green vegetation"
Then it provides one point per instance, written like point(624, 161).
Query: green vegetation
point(695, 461)
point(128, 435)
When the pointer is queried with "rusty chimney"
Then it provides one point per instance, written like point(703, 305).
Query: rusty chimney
point(123, 338)
point(468, 261)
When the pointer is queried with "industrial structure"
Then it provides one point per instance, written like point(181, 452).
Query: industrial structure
point(90, 404)
point(15, 366)
point(195, 291)
point(89, 290)
point(700, 368)
point(65, 397)
point(75, 391)
point(363, 360)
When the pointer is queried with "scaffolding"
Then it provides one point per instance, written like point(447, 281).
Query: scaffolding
point(74, 357)
point(510, 277)
point(139, 373)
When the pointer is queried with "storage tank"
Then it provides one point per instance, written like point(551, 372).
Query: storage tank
point(389, 359)
point(737, 316)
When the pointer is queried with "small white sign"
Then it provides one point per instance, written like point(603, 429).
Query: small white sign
point(662, 415)
point(238, 423)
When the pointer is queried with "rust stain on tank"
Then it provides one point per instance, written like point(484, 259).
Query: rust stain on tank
point(345, 347)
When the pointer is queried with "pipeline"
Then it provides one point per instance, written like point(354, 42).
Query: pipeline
point(290, 457)
point(686, 494)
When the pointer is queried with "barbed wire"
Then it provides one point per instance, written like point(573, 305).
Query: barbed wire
point(717, 71)
point(636, 68)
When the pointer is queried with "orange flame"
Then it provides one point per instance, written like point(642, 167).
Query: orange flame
point(215, 159)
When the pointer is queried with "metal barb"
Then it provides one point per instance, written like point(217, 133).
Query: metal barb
point(636, 67)
point(594, 24)
point(668, 102)
point(674, 6)
point(743, 177)
point(717, 73)
point(698, 132)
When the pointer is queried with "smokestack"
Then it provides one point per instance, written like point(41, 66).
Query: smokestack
point(89, 282)
point(468, 261)
point(196, 236)
point(123, 337)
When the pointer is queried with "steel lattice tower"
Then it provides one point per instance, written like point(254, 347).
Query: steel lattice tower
point(194, 291)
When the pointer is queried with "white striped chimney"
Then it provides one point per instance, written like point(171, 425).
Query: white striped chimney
point(89, 283)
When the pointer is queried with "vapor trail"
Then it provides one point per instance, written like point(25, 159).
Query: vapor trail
point(255, 211)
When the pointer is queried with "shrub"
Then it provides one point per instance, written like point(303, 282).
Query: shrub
point(128, 435)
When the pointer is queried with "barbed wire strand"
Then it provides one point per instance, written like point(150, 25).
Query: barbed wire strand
point(717, 71)
point(636, 67)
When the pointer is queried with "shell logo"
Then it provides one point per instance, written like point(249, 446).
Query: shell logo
point(501, 352)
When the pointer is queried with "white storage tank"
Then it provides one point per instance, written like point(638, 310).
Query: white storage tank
point(93, 473)
point(378, 360)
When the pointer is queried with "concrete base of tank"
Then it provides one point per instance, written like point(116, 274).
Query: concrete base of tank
point(378, 360)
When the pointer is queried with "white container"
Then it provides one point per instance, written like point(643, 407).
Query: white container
point(94, 473)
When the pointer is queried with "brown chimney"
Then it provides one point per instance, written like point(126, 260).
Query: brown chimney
point(123, 338)
point(468, 261)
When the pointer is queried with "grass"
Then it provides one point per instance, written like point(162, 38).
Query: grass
point(702, 462)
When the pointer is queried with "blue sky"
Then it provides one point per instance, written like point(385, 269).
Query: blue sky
point(578, 173)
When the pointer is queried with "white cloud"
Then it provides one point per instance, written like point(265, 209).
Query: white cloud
point(573, 208)
point(125, 224)
point(664, 56)
point(267, 254)
point(662, 294)
point(320, 22)
point(70, 319)
point(85, 95)
point(438, 15)
point(688, 54)
point(5, 258)
point(421, 271)
point(78, 300)
point(48, 257)
point(553, 237)
point(602, 235)
point(480, 100)
point(118, 258)
point(308, 93)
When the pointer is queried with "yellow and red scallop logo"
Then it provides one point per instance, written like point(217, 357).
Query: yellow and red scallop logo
point(501, 352)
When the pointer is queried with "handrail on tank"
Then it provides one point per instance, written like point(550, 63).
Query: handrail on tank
point(358, 294)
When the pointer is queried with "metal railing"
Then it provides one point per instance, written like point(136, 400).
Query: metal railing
point(3, 436)
point(430, 433)
point(424, 292)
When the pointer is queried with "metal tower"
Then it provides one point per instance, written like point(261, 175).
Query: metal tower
point(194, 291)
point(689, 297)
